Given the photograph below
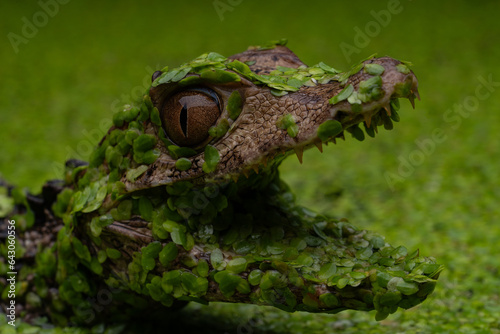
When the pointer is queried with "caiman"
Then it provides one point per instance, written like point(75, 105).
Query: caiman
point(182, 201)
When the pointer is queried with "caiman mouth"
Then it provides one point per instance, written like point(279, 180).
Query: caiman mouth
point(368, 97)
point(220, 118)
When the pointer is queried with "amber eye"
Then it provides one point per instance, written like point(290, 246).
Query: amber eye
point(188, 115)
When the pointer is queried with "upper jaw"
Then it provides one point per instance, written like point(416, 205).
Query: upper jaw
point(314, 108)
point(270, 126)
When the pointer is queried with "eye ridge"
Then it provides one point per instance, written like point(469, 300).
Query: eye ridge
point(206, 91)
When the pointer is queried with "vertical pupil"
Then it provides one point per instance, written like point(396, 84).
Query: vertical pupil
point(183, 120)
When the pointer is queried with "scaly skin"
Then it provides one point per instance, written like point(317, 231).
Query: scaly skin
point(165, 213)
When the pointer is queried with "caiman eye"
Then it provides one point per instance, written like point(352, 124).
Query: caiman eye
point(188, 115)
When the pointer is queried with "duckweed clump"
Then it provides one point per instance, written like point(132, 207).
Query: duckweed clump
point(222, 240)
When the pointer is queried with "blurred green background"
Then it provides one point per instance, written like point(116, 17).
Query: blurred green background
point(62, 80)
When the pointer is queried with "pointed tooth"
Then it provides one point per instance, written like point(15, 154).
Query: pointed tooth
point(246, 173)
point(368, 119)
point(255, 169)
point(319, 145)
point(412, 100)
point(264, 162)
point(234, 177)
point(299, 151)
point(342, 135)
point(387, 110)
point(326, 143)
point(375, 122)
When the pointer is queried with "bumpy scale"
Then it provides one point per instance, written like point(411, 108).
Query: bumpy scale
point(182, 201)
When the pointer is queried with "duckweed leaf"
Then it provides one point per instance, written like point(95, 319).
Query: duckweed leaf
point(180, 74)
point(101, 256)
point(176, 151)
point(243, 287)
point(183, 164)
point(294, 82)
point(399, 252)
point(220, 129)
point(402, 68)
point(96, 266)
point(342, 95)
point(165, 77)
point(357, 132)
point(403, 89)
point(366, 86)
point(212, 158)
point(255, 276)
point(237, 265)
point(168, 253)
point(144, 143)
point(327, 68)
point(227, 282)
point(202, 268)
point(286, 121)
point(113, 253)
point(191, 80)
point(179, 237)
point(97, 201)
point(406, 288)
point(278, 93)
point(123, 211)
point(327, 271)
point(155, 116)
point(345, 76)
point(217, 259)
point(219, 76)
point(79, 200)
point(390, 298)
point(329, 129)
point(133, 174)
point(151, 250)
point(305, 260)
point(81, 250)
point(329, 300)
point(374, 69)
point(234, 105)
point(214, 56)
point(240, 67)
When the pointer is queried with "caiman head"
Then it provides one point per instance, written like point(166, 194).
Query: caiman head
point(182, 201)
point(220, 118)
